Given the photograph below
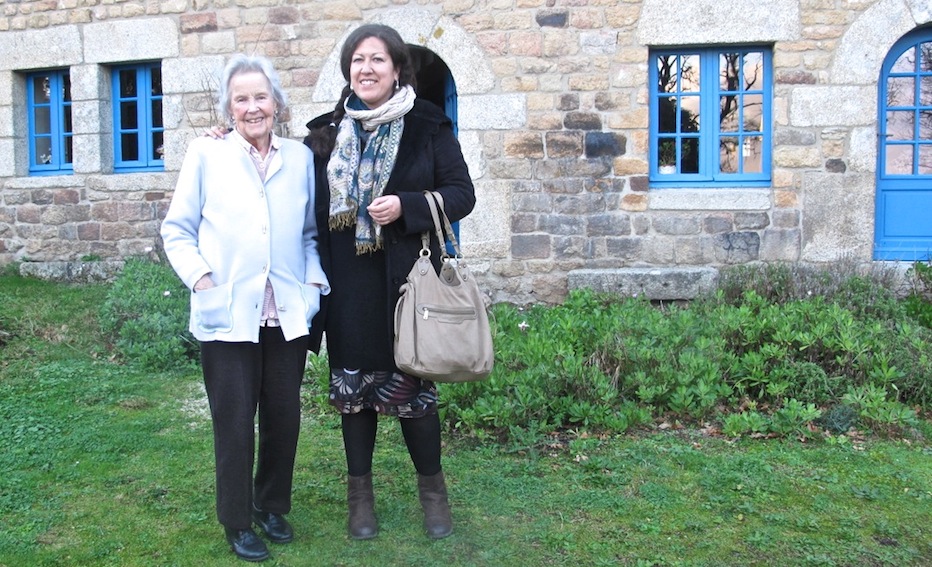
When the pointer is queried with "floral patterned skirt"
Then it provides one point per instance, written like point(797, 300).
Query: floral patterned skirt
point(385, 391)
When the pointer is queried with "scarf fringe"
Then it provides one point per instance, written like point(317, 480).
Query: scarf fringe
point(368, 247)
point(343, 220)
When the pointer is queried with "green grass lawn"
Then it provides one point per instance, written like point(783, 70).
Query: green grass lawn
point(106, 465)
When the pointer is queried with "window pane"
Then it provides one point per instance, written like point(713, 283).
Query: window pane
point(689, 158)
point(753, 113)
point(41, 92)
point(689, 74)
point(43, 150)
point(128, 116)
point(689, 115)
point(66, 88)
point(157, 113)
point(729, 65)
point(925, 124)
point(906, 63)
point(667, 118)
point(925, 91)
point(728, 154)
point(667, 73)
point(900, 91)
point(128, 83)
point(752, 155)
point(753, 68)
point(67, 116)
point(156, 79)
point(666, 152)
point(158, 149)
point(42, 120)
point(728, 113)
point(925, 50)
point(129, 147)
point(900, 125)
point(69, 149)
point(925, 159)
point(899, 159)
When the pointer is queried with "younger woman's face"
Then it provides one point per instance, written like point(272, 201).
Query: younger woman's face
point(372, 72)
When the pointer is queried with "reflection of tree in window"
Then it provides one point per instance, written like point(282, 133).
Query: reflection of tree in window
point(740, 112)
point(908, 122)
point(678, 74)
point(925, 116)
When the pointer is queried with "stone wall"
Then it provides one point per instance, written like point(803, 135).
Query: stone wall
point(553, 119)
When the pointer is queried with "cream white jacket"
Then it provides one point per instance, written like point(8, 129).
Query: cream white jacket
point(224, 221)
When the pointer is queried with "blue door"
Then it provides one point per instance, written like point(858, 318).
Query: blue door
point(904, 157)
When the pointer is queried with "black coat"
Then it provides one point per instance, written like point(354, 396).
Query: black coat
point(358, 315)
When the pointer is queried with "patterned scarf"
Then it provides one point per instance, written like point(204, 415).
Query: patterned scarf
point(357, 176)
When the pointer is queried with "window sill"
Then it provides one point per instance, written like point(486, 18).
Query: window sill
point(718, 199)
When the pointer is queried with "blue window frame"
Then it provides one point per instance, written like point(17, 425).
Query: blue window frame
point(711, 116)
point(48, 103)
point(137, 117)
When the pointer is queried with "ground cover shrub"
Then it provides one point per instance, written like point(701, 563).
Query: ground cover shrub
point(918, 302)
point(768, 362)
point(146, 316)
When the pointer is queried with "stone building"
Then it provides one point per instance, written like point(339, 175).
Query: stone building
point(798, 130)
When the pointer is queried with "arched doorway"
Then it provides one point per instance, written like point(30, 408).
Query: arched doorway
point(435, 83)
point(434, 80)
point(903, 228)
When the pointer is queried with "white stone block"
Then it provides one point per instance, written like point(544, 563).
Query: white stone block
point(61, 47)
point(89, 82)
point(697, 22)
point(6, 89)
point(7, 166)
point(862, 150)
point(862, 49)
point(192, 74)
point(130, 40)
point(6, 122)
point(851, 106)
point(839, 217)
point(492, 112)
point(710, 200)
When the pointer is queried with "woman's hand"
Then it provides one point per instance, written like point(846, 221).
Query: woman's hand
point(217, 132)
point(385, 209)
point(204, 283)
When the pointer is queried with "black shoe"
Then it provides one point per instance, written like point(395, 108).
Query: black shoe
point(275, 526)
point(247, 545)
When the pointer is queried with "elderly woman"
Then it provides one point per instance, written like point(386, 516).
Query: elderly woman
point(241, 234)
point(377, 152)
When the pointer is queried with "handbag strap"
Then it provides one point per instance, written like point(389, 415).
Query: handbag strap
point(435, 203)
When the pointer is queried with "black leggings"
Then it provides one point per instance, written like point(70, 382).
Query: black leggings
point(421, 434)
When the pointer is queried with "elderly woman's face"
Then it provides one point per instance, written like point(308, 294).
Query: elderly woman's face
point(252, 106)
point(372, 72)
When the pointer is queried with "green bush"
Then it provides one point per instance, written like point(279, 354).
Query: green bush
point(607, 363)
point(919, 301)
point(146, 316)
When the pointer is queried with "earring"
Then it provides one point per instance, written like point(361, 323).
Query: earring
point(397, 85)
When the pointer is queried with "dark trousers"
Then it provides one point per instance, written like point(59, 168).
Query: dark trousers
point(239, 378)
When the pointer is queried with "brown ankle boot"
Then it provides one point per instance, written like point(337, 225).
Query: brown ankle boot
point(432, 491)
point(361, 502)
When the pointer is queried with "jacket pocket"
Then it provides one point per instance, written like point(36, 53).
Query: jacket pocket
point(311, 295)
point(213, 308)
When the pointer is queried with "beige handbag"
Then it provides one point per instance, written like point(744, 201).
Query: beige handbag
point(442, 330)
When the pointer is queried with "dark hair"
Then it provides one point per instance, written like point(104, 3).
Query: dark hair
point(323, 140)
point(397, 50)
